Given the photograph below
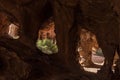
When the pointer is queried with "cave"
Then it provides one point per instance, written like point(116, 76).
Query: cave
point(24, 23)
point(46, 41)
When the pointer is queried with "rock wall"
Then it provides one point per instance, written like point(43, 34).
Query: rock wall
point(47, 30)
point(97, 16)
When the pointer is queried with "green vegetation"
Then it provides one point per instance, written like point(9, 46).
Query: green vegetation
point(47, 46)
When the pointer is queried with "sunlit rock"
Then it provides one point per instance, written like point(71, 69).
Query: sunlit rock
point(13, 31)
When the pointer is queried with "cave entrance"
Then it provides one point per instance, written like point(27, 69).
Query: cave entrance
point(47, 37)
point(13, 31)
point(9, 27)
point(10, 31)
point(91, 57)
point(46, 41)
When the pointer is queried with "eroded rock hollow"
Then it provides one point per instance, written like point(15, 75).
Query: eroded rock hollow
point(21, 20)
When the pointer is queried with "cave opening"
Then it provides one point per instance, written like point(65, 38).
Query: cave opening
point(9, 27)
point(47, 37)
point(46, 40)
point(91, 57)
point(13, 31)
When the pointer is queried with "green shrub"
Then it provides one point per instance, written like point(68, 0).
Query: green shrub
point(47, 46)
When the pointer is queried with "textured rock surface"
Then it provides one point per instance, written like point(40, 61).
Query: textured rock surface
point(87, 42)
point(99, 16)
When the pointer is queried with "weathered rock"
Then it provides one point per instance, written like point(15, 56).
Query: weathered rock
point(97, 16)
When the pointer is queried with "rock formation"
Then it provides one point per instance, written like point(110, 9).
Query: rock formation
point(87, 42)
point(21, 60)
